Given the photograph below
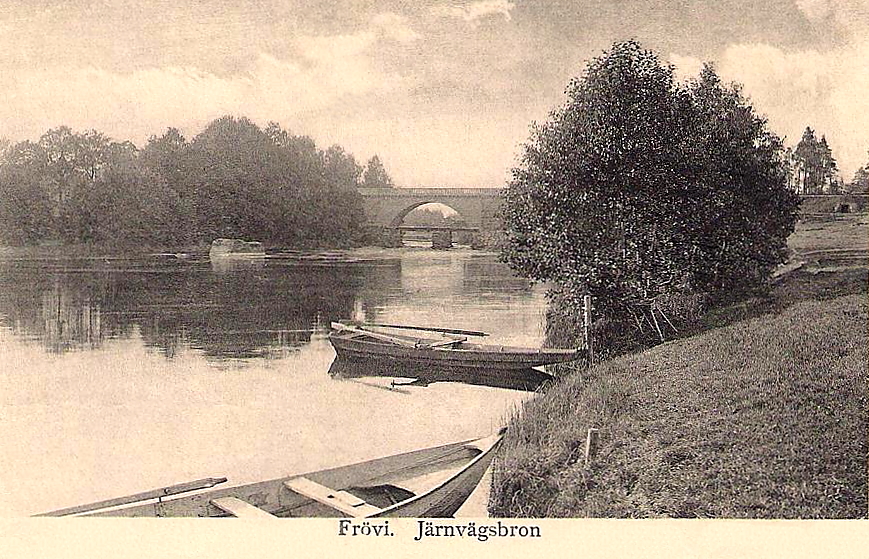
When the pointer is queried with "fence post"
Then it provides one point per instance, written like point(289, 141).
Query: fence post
point(590, 446)
point(586, 321)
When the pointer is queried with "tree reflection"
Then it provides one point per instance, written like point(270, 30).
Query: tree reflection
point(260, 311)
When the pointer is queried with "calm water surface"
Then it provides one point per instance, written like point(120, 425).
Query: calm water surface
point(121, 375)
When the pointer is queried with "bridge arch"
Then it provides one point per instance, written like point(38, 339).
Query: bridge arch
point(387, 207)
point(399, 218)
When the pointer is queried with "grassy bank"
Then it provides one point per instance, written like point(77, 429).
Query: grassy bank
point(831, 232)
point(764, 415)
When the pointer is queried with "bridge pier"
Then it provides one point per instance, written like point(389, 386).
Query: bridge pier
point(390, 237)
point(441, 240)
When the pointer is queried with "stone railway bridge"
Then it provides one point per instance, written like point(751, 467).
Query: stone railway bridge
point(386, 208)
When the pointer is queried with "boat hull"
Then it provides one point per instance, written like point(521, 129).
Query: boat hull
point(377, 480)
point(461, 357)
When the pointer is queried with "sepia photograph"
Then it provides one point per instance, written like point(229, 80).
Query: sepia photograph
point(469, 265)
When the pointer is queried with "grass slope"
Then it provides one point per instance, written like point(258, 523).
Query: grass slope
point(763, 418)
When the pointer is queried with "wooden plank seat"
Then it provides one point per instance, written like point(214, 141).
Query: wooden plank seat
point(342, 501)
point(240, 509)
point(447, 342)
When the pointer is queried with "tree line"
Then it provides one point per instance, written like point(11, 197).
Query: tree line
point(234, 179)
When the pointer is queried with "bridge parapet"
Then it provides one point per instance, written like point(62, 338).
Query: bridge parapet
point(430, 192)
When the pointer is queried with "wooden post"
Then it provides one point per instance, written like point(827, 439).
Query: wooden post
point(590, 446)
point(586, 327)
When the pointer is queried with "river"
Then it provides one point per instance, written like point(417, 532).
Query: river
point(120, 375)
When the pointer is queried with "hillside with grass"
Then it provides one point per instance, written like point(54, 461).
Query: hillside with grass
point(761, 415)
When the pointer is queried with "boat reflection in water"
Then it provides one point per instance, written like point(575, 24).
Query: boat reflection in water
point(528, 379)
point(371, 350)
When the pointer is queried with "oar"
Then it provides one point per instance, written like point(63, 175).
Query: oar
point(443, 330)
point(153, 494)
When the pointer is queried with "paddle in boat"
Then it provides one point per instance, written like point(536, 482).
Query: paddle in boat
point(429, 483)
point(376, 350)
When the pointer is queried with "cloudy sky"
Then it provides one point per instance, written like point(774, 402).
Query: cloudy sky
point(443, 91)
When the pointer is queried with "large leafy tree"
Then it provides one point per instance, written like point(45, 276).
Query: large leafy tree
point(58, 175)
point(638, 188)
point(236, 180)
point(272, 186)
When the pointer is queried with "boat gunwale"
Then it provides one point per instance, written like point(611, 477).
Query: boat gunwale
point(498, 438)
point(469, 347)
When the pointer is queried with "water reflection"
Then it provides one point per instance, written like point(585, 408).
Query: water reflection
point(69, 320)
point(251, 308)
point(235, 264)
point(528, 379)
point(243, 310)
point(59, 311)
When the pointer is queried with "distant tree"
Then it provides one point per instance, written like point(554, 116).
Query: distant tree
point(829, 168)
point(341, 168)
point(60, 170)
point(375, 175)
point(860, 182)
point(305, 159)
point(638, 189)
point(236, 182)
point(272, 186)
point(166, 154)
point(342, 214)
point(815, 167)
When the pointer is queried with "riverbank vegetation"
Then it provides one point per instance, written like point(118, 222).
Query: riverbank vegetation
point(762, 416)
point(234, 179)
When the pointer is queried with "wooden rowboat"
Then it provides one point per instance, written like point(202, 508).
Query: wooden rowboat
point(428, 483)
point(377, 352)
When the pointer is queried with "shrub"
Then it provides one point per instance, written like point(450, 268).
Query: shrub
point(648, 194)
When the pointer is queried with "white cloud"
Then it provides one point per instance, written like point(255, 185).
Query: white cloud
point(134, 105)
point(815, 9)
point(333, 47)
point(473, 12)
point(851, 16)
point(824, 90)
point(395, 27)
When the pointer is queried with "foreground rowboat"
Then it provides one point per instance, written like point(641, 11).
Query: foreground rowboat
point(369, 351)
point(428, 483)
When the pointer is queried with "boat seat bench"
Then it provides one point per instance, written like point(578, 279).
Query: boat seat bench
point(445, 343)
point(342, 501)
point(240, 509)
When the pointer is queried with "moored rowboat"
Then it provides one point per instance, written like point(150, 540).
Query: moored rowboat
point(379, 350)
point(433, 482)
